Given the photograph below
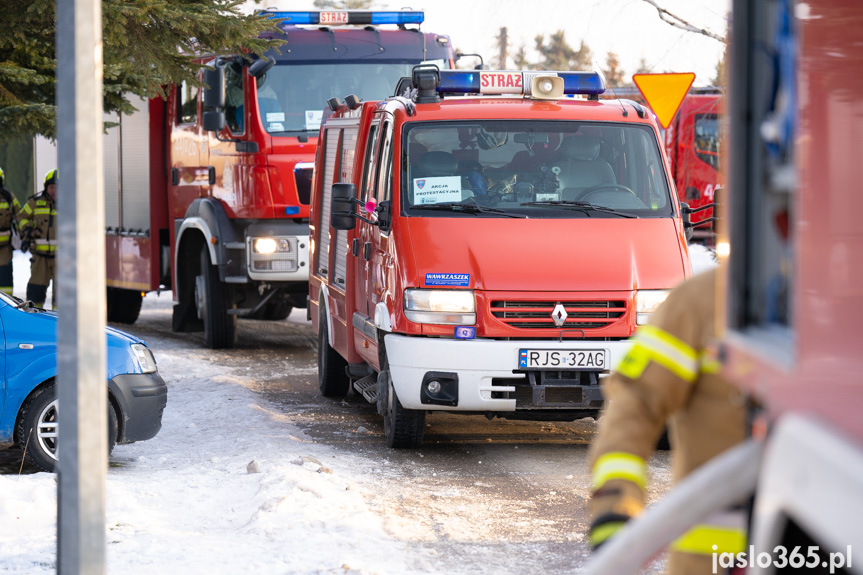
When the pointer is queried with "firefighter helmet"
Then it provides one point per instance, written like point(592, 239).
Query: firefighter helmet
point(51, 178)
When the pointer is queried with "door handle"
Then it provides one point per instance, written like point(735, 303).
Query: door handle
point(355, 247)
point(367, 251)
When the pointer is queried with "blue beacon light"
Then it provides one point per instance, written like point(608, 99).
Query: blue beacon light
point(465, 332)
point(354, 17)
point(469, 82)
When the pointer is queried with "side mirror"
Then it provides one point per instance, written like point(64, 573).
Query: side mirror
point(214, 94)
point(343, 216)
point(685, 212)
point(214, 121)
point(261, 67)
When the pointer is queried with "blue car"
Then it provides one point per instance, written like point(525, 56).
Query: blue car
point(137, 394)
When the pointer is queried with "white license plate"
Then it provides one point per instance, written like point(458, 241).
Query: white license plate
point(587, 359)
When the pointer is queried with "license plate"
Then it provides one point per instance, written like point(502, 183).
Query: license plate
point(587, 359)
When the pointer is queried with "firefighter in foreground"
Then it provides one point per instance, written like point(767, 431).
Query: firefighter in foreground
point(38, 223)
point(670, 376)
point(9, 208)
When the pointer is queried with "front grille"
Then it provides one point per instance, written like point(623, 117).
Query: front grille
point(579, 314)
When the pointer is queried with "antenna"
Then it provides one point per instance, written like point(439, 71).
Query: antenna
point(607, 83)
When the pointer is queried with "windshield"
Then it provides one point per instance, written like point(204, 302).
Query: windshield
point(707, 139)
point(548, 169)
point(291, 96)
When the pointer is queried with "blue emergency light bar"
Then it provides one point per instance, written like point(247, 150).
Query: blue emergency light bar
point(515, 82)
point(346, 17)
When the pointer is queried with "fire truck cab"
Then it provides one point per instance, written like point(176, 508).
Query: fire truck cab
point(207, 192)
point(480, 253)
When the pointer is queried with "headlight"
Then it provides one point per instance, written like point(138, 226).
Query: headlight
point(444, 307)
point(270, 245)
point(145, 358)
point(646, 302)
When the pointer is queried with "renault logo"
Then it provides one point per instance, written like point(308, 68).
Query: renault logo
point(558, 314)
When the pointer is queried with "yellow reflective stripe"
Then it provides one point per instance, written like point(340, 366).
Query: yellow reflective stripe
point(45, 242)
point(653, 344)
point(619, 465)
point(4, 205)
point(708, 539)
point(603, 532)
point(43, 211)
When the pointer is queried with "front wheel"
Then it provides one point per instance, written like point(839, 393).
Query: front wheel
point(37, 429)
point(333, 380)
point(403, 428)
point(213, 300)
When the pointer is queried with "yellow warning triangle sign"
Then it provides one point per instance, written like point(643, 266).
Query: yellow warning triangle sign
point(664, 93)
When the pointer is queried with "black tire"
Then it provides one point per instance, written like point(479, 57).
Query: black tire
point(124, 306)
point(403, 428)
point(39, 442)
point(213, 300)
point(333, 380)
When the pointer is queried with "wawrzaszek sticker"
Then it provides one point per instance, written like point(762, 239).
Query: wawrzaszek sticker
point(437, 190)
point(461, 280)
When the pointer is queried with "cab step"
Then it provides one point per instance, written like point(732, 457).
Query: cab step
point(368, 387)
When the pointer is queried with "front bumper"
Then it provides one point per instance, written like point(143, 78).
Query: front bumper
point(486, 371)
point(142, 398)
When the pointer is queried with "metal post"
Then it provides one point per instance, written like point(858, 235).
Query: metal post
point(80, 291)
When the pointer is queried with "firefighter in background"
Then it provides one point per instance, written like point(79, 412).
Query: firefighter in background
point(38, 225)
point(670, 376)
point(9, 208)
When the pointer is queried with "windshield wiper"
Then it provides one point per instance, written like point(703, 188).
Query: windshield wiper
point(584, 206)
point(472, 208)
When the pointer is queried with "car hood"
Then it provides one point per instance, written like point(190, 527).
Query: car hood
point(585, 254)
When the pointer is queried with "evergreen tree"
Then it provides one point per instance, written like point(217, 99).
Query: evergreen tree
point(519, 60)
point(557, 54)
point(146, 44)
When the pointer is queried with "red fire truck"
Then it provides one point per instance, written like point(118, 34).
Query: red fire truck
point(506, 247)
point(790, 302)
point(207, 193)
point(692, 144)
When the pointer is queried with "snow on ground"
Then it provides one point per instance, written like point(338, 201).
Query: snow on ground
point(702, 258)
point(276, 502)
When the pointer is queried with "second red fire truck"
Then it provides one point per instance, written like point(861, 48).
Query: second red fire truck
point(207, 193)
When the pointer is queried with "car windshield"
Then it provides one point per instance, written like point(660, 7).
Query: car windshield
point(292, 97)
point(552, 169)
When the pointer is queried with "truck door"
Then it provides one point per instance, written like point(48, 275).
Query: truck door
point(188, 179)
point(378, 276)
point(364, 236)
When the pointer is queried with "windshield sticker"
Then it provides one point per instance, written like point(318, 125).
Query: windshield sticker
point(276, 127)
point(437, 190)
point(313, 119)
point(275, 116)
point(547, 197)
point(457, 280)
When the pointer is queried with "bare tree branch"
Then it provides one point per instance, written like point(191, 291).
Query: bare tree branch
point(679, 22)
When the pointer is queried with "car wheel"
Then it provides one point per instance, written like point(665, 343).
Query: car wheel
point(332, 379)
point(124, 306)
point(37, 429)
point(212, 300)
point(403, 428)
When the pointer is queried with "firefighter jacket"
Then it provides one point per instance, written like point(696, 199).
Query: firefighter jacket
point(38, 223)
point(669, 377)
point(9, 208)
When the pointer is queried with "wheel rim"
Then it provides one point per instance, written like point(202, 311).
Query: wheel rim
point(46, 430)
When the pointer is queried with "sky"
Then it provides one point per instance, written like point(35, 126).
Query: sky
point(630, 28)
